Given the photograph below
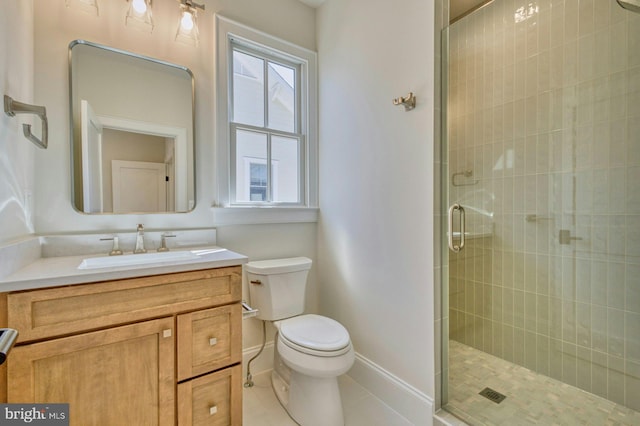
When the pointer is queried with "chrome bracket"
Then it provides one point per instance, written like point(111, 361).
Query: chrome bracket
point(11, 108)
point(408, 101)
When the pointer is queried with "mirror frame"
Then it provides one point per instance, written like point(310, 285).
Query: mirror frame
point(73, 135)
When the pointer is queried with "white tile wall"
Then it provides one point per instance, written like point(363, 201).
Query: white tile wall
point(544, 108)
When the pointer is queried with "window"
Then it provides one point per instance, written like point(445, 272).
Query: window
point(266, 120)
point(265, 124)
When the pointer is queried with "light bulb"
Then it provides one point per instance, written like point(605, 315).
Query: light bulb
point(140, 6)
point(187, 21)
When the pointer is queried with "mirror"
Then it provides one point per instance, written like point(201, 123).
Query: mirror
point(132, 132)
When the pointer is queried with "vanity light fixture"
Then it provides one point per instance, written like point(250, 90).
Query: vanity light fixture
point(188, 26)
point(139, 15)
point(90, 6)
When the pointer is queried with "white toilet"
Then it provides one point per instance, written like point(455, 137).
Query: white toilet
point(311, 350)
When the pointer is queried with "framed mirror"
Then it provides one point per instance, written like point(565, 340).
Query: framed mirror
point(132, 132)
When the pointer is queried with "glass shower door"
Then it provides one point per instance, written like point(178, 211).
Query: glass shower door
point(543, 156)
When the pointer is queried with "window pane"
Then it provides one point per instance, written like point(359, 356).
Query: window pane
point(282, 105)
point(248, 89)
point(285, 169)
point(251, 166)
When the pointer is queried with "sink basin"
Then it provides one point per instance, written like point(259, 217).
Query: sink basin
point(136, 259)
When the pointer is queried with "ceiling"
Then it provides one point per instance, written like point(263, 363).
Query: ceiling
point(456, 7)
point(312, 3)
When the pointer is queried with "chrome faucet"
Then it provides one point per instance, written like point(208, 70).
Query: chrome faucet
point(115, 250)
point(163, 241)
point(140, 240)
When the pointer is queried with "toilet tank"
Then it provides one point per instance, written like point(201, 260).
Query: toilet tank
point(277, 287)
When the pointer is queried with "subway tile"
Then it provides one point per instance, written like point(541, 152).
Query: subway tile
point(633, 46)
point(586, 57)
point(555, 318)
point(599, 373)
point(586, 17)
point(615, 285)
point(599, 328)
point(632, 336)
point(583, 324)
point(615, 383)
point(583, 368)
point(632, 385)
point(569, 364)
point(632, 288)
point(618, 47)
point(542, 314)
point(615, 332)
point(569, 321)
point(599, 283)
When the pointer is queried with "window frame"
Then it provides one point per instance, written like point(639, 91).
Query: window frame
point(228, 35)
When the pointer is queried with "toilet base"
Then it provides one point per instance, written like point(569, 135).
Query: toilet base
point(310, 401)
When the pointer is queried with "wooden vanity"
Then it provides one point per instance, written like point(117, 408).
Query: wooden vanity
point(153, 350)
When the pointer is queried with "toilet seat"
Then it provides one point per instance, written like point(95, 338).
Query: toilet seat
point(315, 335)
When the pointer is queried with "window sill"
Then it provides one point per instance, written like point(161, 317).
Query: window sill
point(262, 215)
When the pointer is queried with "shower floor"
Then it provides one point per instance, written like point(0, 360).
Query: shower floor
point(532, 398)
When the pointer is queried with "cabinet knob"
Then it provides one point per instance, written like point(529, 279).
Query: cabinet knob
point(166, 333)
point(213, 410)
point(213, 341)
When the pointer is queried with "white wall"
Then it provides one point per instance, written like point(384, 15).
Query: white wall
point(16, 152)
point(57, 25)
point(376, 229)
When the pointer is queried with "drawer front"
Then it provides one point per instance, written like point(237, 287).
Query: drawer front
point(61, 311)
point(209, 340)
point(212, 400)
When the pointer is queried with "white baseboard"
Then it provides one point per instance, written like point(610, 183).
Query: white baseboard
point(262, 363)
point(400, 396)
point(409, 402)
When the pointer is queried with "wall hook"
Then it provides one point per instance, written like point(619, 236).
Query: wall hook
point(408, 101)
point(11, 108)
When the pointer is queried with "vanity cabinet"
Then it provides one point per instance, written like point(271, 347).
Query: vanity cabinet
point(157, 350)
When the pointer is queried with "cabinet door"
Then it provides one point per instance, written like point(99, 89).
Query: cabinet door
point(123, 375)
point(209, 340)
point(212, 400)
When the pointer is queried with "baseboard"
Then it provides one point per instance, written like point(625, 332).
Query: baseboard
point(262, 363)
point(409, 402)
point(400, 396)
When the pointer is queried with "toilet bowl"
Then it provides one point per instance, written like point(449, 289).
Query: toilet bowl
point(311, 350)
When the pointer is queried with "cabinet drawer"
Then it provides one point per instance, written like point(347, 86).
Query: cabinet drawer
point(60, 311)
point(212, 400)
point(209, 340)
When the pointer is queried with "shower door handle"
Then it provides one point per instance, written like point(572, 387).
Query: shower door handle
point(456, 247)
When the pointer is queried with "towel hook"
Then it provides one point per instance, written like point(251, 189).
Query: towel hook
point(408, 101)
point(11, 108)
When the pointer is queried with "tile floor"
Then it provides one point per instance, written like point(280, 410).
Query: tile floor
point(532, 399)
point(261, 408)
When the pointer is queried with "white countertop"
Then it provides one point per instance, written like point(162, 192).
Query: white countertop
point(63, 270)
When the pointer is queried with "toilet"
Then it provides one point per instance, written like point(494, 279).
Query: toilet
point(311, 351)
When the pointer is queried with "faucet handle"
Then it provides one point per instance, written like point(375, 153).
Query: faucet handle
point(115, 250)
point(163, 241)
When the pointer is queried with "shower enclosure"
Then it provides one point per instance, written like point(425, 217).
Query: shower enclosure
point(542, 169)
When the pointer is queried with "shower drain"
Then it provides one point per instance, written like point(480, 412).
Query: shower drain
point(492, 395)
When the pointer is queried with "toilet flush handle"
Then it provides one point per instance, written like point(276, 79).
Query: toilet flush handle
point(256, 282)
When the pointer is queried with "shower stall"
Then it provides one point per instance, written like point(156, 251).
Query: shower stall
point(542, 173)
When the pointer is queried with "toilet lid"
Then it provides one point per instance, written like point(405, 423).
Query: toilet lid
point(315, 332)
